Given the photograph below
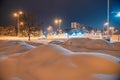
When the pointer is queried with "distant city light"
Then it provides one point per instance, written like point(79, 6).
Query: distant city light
point(15, 14)
point(118, 14)
point(56, 21)
point(21, 23)
point(20, 12)
point(111, 28)
point(59, 20)
point(106, 24)
point(49, 28)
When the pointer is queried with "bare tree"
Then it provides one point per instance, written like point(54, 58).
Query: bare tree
point(29, 22)
point(10, 30)
point(2, 30)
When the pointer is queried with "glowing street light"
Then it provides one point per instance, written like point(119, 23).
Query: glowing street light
point(108, 16)
point(111, 28)
point(21, 23)
point(17, 14)
point(20, 12)
point(106, 24)
point(50, 30)
point(58, 22)
point(118, 14)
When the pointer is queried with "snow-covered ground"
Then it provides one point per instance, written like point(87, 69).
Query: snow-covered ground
point(72, 59)
point(92, 45)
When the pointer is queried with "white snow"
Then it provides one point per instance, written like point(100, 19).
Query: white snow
point(61, 49)
point(65, 51)
point(54, 62)
point(100, 55)
point(106, 76)
point(15, 78)
point(3, 58)
point(25, 45)
point(44, 41)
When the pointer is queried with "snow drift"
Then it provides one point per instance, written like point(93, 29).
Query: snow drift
point(52, 62)
point(92, 45)
point(13, 47)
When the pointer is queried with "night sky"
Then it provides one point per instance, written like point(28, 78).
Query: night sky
point(88, 12)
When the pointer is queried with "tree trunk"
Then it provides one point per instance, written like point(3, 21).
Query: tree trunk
point(29, 34)
point(28, 37)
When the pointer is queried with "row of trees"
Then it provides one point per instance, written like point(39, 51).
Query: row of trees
point(11, 30)
point(29, 28)
point(7, 31)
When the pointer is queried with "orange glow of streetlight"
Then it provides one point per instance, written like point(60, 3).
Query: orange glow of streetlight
point(21, 23)
point(15, 14)
point(60, 20)
point(56, 21)
point(111, 28)
point(49, 28)
point(20, 12)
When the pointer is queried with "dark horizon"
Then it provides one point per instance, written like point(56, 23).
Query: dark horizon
point(91, 13)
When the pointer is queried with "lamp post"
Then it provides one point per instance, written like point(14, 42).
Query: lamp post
point(106, 25)
point(108, 16)
point(111, 30)
point(21, 23)
point(58, 22)
point(17, 14)
point(50, 30)
point(118, 15)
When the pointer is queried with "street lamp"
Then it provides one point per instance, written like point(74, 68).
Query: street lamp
point(111, 30)
point(108, 16)
point(105, 25)
point(118, 15)
point(50, 29)
point(58, 22)
point(21, 23)
point(17, 14)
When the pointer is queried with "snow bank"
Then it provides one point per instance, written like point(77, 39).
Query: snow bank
point(52, 62)
point(11, 47)
point(44, 41)
point(61, 49)
point(25, 45)
point(56, 42)
point(34, 43)
point(65, 51)
point(92, 45)
point(106, 77)
point(116, 45)
point(110, 57)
